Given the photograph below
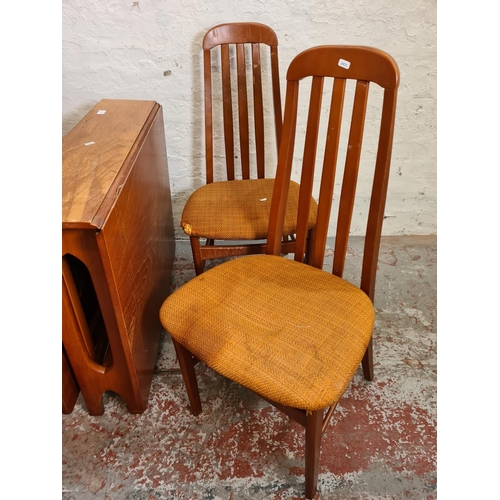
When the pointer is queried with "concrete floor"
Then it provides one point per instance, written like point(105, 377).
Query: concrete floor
point(380, 444)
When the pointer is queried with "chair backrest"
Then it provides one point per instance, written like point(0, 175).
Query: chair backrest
point(340, 63)
point(230, 38)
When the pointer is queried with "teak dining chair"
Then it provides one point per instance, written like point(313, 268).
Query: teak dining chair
point(288, 330)
point(232, 214)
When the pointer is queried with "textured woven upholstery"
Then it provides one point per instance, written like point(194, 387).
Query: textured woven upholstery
point(290, 332)
point(233, 210)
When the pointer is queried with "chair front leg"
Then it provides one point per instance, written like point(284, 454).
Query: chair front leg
point(186, 362)
point(314, 424)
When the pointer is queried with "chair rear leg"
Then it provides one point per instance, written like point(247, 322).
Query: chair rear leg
point(186, 362)
point(314, 424)
point(309, 256)
point(367, 362)
point(199, 264)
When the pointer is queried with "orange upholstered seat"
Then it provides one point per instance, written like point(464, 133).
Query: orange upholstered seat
point(248, 322)
point(238, 210)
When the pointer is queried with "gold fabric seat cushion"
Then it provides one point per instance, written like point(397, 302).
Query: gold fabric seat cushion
point(238, 210)
point(290, 332)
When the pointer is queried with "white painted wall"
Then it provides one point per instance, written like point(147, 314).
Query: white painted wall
point(151, 49)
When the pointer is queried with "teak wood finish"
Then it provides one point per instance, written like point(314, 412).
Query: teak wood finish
point(364, 65)
point(117, 252)
point(224, 37)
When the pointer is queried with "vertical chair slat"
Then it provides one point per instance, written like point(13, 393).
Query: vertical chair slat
point(209, 141)
point(308, 164)
point(281, 181)
point(349, 182)
point(329, 170)
point(276, 95)
point(227, 111)
point(258, 110)
point(378, 196)
point(243, 111)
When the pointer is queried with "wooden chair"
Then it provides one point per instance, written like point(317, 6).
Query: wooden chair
point(287, 330)
point(235, 213)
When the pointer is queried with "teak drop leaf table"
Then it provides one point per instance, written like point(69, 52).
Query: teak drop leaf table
point(117, 252)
